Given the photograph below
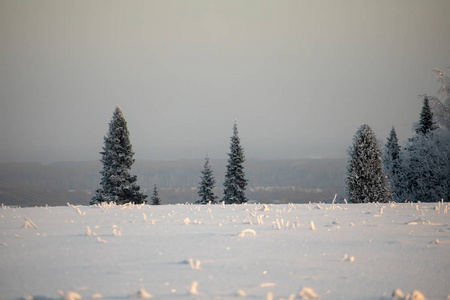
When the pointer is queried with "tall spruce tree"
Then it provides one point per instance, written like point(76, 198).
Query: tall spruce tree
point(235, 182)
point(205, 190)
point(117, 184)
point(155, 196)
point(366, 180)
point(392, 165)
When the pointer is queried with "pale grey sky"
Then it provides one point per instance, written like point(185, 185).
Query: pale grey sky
point(300, 76)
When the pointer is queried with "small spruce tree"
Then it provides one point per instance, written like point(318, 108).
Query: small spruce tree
point(235, 182)
point(117, 184)
point(366, 180)
point(205, 190)
point(392, 165)
point(155, 196)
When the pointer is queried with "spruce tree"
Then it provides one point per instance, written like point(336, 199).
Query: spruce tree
point(392, 164)
point(155, 196)
point(366, 180)
point(235, 181)
point(205, 190)
point(426, 123)
point(117, 184)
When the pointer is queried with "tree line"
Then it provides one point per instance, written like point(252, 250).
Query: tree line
point(420, 171)
point(269, 181)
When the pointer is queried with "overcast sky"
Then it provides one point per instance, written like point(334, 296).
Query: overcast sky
point(299, 76)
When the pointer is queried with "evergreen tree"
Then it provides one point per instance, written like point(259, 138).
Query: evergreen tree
point(392, 164)
point(235, 181)
point(117, 184)
point(205, 190)
point(366, 180)
point(155, 198)
point(426, 123)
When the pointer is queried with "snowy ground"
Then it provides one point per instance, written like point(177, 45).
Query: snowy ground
point(226, 252)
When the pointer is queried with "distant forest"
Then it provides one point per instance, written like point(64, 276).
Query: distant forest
point(270, 181)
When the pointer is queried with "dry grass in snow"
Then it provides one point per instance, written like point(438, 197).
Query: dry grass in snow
point(330, 251)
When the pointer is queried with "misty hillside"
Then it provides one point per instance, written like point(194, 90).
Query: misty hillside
point(282, 181)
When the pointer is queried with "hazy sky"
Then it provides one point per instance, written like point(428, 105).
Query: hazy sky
point(300, 76)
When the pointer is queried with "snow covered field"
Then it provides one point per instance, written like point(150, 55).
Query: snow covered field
point(226, 252)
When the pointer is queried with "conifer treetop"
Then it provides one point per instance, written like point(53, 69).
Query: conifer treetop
point(426, 122)
point(392, 144)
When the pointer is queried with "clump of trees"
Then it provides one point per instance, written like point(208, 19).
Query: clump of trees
point(419, 171)
point(424, 174)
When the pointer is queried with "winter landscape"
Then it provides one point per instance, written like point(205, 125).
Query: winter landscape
point(248, 251)
point(123, 175)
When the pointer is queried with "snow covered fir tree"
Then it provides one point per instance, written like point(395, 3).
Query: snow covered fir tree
point(366, 180)
point(155, 196)
point(392, 165)
point(117, 184)
point(426, 161)
point(235, 182)
point(205, 189)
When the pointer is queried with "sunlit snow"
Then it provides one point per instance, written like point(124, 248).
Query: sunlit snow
point(250, 251)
